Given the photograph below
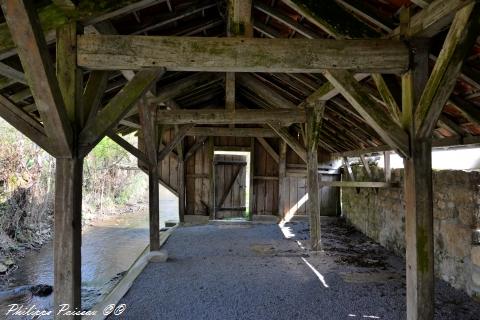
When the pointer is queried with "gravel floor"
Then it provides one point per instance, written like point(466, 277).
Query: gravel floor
point(262, 272)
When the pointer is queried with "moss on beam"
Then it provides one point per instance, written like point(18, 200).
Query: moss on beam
point(53, 16)
point(334, 17)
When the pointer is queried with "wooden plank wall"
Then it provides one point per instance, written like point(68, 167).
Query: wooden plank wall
point(197, 170)
point(265, 185)
point(265, 191)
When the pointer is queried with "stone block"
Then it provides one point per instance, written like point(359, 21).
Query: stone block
point(158, 256)
point(475, 255)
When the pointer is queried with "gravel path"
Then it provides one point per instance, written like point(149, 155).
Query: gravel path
point(255, 272)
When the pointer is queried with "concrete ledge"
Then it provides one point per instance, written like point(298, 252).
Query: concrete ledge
point(122, 287)
point(191, 219)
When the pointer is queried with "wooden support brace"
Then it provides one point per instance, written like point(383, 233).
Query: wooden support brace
point(128, 147)
point(32, 49)
point(118, 107)
point(28, 126)
point(374, 115)
point(460, 39)
point(182, 132)
point(268, 148)
point(291, 141)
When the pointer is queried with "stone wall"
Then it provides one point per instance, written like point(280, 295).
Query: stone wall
point(380, 214)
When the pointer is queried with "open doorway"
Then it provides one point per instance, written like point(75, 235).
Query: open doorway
point(231, 176)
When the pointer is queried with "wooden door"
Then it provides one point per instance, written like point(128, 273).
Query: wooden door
point(230, 186)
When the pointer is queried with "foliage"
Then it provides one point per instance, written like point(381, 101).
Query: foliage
point(112, 180)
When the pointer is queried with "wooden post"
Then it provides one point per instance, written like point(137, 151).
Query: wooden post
point(282, 174)
point(68, 181)
point(68, 233)
point(418, 198)
point(151, 138)
point(252, 172)
point(154, 207)
point(211, 177)
point(181, 190)
point(314, 123)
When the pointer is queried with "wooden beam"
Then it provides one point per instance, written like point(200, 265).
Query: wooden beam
point(220, 116)
point(268, 148)
point(468, 109)
point(314, 124)
point(182, 132)
point(286, 20)
point(12, 73)
point(320, 15)
point(433, 19)
point(418, 191)
point(92, 96)
point(282, 183)
point(358, 184)
point(241, 55)
point(181, 190)
point(348, 169)
point(128, 147)
point(373, 114)
point(263, 91)
point(193, 149)
point(24, 123)
point(387, 96)
point(211, 178)
point(32, 49)
point(232, 132)
point(183, 86)
point(118, 107)
point(387, 168)
point(154, 208)
point(445, 143)
point(291, 141)
point(366, 166)
point(460, 39)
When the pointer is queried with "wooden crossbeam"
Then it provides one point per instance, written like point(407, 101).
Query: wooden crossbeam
point(118, 107)
point(373, 114)
point(182, 132)
point(23, 122)
point(232, 132)
point(220, 116)
point(32, 49)
point(241, 55)
point(461, 37)
point(358, 184)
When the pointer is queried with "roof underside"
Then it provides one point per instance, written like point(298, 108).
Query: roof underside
point(343, 130)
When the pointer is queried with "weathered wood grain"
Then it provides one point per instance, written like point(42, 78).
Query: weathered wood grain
point(241, 55)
